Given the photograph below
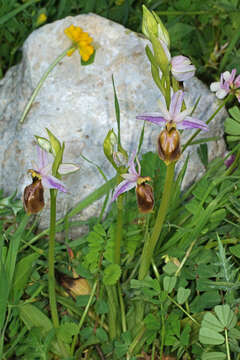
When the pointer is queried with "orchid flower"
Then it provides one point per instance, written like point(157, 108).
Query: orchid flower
point(182, 119)
point(228, 83)
point(133, 179)
point(42, 171)
point(33, 196)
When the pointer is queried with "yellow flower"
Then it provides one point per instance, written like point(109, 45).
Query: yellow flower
point(81, 41)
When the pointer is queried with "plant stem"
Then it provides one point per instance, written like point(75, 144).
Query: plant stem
point(136, 340)
point(112, 313)
point(183, 310)
point(207, 122)
point(150, 244)
point(123, 315)
point(119, 229)
point(40, 83)
point(83, 317)
point(227, 345)
point(51, 259)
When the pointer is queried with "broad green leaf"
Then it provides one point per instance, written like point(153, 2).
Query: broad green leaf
point(213, 356)
point(66, 331)
point(232, 127)
point(182, 295)
point(211, 322)
point(185, 335)
point(101, 335)
point(111, 274)
point(152, 322)
point(235, 113)
point(170, 268)
point(169, 283)
point(226, 316)
point(211, 337)
point(99, 229)
point(235, 250)
point(22, 272)
point(33, 317)
point(4, 291)
point(13, 248)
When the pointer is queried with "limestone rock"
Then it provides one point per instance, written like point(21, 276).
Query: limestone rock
point(77, 104)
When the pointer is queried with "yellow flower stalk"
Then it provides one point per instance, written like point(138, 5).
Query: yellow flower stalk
point(81, 41)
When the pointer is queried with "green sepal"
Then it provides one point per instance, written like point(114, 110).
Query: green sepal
point(109, 145)
point(44, 143)
point(55, 143)
point(57, 162)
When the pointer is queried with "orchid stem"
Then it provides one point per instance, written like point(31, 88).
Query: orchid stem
point(189, 141)
point(119, 228)
point(40, 83)
point(83, 317)
point(150, 244)
point(51, 259)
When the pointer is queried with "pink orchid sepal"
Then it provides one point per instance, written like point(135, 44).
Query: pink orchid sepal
point(182, 119)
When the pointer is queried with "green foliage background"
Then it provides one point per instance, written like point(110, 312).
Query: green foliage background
point(198, 29)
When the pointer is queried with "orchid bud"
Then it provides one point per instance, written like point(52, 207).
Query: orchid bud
point(182, 68)
point(145, 198)
point(169, 149)
point(153, 26)
point(33, 199)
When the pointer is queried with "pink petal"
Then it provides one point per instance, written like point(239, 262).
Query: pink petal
point(123, 187)
point(176, 104)
point(154, 118)
point(132, 169)
point(192, 123)
point(51, 182)
point(42, 158)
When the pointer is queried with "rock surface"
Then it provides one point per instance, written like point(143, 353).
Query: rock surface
point(76, 103)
